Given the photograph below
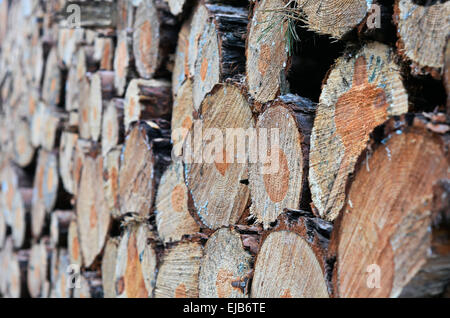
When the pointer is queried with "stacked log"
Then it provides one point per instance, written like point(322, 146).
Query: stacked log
point(160, 148)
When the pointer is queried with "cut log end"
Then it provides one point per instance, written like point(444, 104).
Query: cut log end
point(136, 263)
point(360, 94)
point(222, 200)
point(226, 266)
point(394, 219)
point(278, 178)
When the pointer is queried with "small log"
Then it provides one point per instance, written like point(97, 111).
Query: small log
point(4, 19)
point(181, 65)
point(213, 178)
point(73, 244)
point(221, 49)
point(82, 149)
point(172, 214)
point(267, 48)
point(61, 279)
point(335, 18)
point(77, 82)
point(23, 149)
point(390, 239)
point(225, 266)
point(109, 261)
point(416, 23)
point(103, 53)
point(446, 76)
point(37, 274)
point(17, 275)
point(136, 262)
point(182, 116)
point(111, 180)
point(53, 121)
point(360, 93)
point(45, 190)
point(84, 109)
point(281, 181)
point(37, 125)
point(154, 37)
point(68, 39)
point(123, 62)
point(291, 261)
point(66, 159)
point(2, 227)
point(125, 14)
point(141, 166)
point(5, 259)
point(93, 217)
point(21, 218)
point(59, 227)
point(177, 6)
point(112, 126)
point(101, 90)
point(178, 273)
point(52, 85)
point(147, 99)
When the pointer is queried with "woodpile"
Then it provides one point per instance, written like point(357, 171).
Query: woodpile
point(232, 149)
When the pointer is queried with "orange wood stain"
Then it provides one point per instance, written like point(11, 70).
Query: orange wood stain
point(93, 219)
point(221, 162)
point(180, 291)
point(75, 248)
point(286, 294)
point(134, 279)
point(145, 43)
point(204, 68)
point(265, 59)
point(277, 184)
point(178, 198)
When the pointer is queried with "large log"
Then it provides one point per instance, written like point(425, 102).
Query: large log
point(291, 262)
point(279, 178)
point(389, 239)
point(360, 93)
point(214, 177)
